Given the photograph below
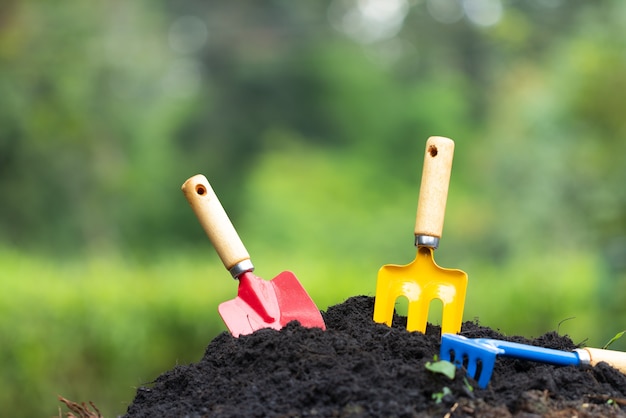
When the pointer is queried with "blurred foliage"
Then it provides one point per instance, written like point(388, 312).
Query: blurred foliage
point(98, 329)
point(309, 120)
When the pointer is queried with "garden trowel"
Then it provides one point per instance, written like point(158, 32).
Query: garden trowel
point(423, 280)
point(259, 303)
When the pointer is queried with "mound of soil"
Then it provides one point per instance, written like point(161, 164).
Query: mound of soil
point(360, 368)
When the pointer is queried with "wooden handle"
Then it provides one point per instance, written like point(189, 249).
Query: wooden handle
point(431, 206)
point(617, 359)
point(215, 221)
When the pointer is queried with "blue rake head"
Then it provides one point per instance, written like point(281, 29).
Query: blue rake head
point(478, 355)
point(477, 358)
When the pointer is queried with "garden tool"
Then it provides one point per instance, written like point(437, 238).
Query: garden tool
point(259, 303)
point(423, 280)
point(478, 355)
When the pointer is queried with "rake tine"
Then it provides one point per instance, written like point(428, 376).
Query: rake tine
point(447, 348)
point(472, 364)
point(486, 371)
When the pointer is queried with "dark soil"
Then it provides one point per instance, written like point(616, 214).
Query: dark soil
point(360, 368)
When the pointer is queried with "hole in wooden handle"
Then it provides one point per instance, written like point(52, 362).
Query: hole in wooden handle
point(432, 150)
point(200, 189)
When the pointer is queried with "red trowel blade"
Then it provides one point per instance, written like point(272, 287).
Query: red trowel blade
point(269, 304)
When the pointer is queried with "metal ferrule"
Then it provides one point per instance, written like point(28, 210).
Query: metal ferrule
point(241, 268)
point(426, 241)
point(583, 356)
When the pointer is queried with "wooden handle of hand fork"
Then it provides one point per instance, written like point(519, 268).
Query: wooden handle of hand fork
point(431, 206)
point(216, 224)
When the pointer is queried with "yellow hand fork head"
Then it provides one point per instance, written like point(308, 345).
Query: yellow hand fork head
point(423, 280)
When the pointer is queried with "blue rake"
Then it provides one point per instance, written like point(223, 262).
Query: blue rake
point(478, 355)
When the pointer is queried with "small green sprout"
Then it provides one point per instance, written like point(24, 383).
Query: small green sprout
point(442, 367)
point(615, 338)
point(438, 397)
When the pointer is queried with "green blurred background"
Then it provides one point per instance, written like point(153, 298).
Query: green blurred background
point(309, 119)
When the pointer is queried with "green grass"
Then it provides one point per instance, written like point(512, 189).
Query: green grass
point(97, 328)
